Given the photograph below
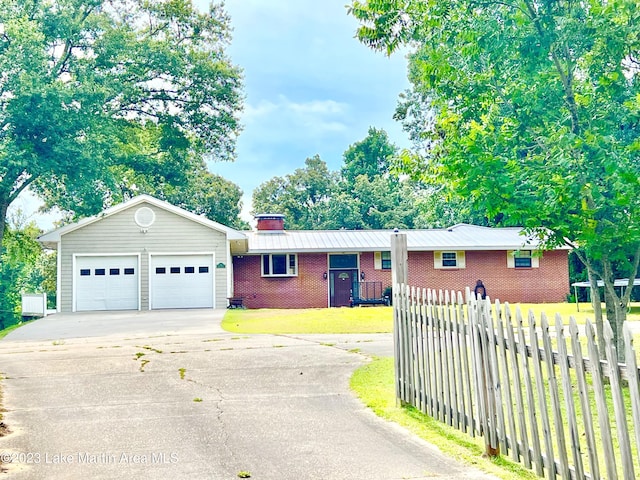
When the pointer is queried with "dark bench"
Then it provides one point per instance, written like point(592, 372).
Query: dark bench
point(235, 302)
point(368, 293)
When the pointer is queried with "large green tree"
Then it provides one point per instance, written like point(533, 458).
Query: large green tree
point(536, 114)
point(371, 157)
point(93, 90)
point(302, 196)
point(24, 268)
point(364, 194)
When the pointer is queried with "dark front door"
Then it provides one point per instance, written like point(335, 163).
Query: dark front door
point(340, 284)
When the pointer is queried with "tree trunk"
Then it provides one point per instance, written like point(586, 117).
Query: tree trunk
point(596, 302)
point(4, 207)
point(610, 305)
point(621, 317)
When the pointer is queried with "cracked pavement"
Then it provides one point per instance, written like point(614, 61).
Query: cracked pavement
point(170, 394)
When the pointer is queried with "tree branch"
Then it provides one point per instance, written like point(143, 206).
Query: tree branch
point(565, 78)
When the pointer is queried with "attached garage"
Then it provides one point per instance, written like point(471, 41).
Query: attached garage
point(107, 282)
point(182, 281)
point(144, 254)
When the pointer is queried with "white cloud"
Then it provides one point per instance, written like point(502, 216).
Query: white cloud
point(295, 120)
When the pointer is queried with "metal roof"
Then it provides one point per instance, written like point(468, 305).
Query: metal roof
point(458, 237)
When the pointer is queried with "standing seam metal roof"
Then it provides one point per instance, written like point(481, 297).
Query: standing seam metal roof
point(458, 237)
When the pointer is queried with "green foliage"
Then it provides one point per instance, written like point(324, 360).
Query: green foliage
point(536, 111)
point(97, 95)
point(302, 196)
point(314, 320)
point(374, 384)
point(370, 157)
point(24, 268)
point(365, 194)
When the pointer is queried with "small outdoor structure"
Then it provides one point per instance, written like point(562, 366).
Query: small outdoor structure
point(620, 283)
point(34, 304)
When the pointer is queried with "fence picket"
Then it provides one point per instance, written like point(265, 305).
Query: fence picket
point(432, 355)
point(533, 421)
point(510, 436)
point(405, 345)
point(418, 318)
point(601, 403)
point(415, 352)
point(576, 349)
point(495, 391)
point(618, 404)
point(476, 334)
point(484, 374)
point(447, 354)
point(466, 374)
point(555, 399)
point(634, 383)
point(542, 398)
point(439, 368)
point(568, 400)
point(522, 440)
point(397, 309)
point(457, 365)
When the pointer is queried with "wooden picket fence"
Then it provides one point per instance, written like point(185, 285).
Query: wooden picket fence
point(510, 379)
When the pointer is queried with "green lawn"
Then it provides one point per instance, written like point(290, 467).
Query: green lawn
point(374, 384)
point(6, 331)
point(371, 319)
point(314, 320)
point(570, 309)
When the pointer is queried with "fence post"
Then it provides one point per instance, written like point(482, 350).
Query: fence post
point(399, 276)
point(483, 311)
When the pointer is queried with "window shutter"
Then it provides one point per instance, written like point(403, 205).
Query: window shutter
point(377, 260)
point(535, 260)
point(511, 263)
point(460, 259)
point(437, 259)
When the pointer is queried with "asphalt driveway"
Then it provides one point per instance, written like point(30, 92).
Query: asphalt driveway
point(170, 395)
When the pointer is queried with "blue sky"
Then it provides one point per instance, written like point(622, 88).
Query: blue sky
point(310, 88)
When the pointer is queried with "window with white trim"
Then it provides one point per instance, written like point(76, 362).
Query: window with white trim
point(280, 265)
point(448, 259)
point(522, 259)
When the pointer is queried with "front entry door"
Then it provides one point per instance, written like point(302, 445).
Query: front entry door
point(340, 284)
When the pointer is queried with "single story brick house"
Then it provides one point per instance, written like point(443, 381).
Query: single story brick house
point(147, 254)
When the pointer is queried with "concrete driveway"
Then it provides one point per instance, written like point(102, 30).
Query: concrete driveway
point(168, 394)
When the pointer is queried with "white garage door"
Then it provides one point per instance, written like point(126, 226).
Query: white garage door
point(106, 283)
point(181, 281)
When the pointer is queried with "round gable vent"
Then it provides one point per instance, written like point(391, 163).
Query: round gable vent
point(144, 217)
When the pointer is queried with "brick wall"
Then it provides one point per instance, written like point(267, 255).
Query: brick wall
point(308, 290)
point(547, 283)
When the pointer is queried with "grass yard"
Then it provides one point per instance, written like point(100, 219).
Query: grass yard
point(374, 384)
point(313, 320)
point(372, 319)
point(6, 331)
point(567, 310)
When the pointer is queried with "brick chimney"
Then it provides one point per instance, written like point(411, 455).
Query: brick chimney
point(270, 222)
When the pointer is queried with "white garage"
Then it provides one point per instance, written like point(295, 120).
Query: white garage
point(107, 282)
point(144, 254)
point(181, 281)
